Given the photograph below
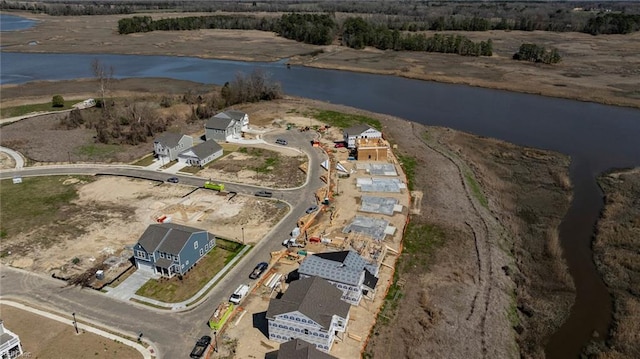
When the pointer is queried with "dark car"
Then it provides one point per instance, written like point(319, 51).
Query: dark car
point(173, 180)
point(340, 145)
point(201, 347)
point(264, 194)
point(281, 141)
point(312, 209)
point(258, 270)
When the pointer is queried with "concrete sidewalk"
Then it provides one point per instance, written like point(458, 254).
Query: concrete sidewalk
point(147, 353)
point(17, 157)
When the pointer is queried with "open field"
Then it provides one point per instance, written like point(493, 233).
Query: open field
point(600, 68)
point(617, 255)
point(46, 338)
point(74, 223)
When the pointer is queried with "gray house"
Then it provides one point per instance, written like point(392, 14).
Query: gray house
point(201, 154)
point(169, 145)
point(169, 249)
point(354, 133)
point(10, 346)
point(226, 125)
point(299, 349)
point(346, 270)
point(311, 310)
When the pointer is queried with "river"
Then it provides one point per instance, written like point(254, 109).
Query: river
point(597, 137)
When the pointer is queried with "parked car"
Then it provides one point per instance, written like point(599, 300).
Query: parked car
point(291, 242)
point(340, 145)
point(264, 194)
point(281, 141)
point(173, 179)
point(201, 347)
point(258, 270)
point(312, 209)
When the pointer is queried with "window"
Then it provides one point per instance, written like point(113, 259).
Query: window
point(161, 255)
point(206, 247)
point(201, 251)
point(306, 332)
point(195, 245)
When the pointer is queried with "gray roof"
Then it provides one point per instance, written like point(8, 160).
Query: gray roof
point(235, 114)
point(219, 121)
point(5, 338)
point(167, 237)
point(205, 149)
point(343, 267)
point(314, 297)
point(357, 129)
point(300, 349)
point(163, 263)
point(169, 139)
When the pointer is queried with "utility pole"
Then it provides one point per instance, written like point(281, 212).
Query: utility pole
point(75, 323)
point(242, 235)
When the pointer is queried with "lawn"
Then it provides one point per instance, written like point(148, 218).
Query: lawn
point(144, 161)
point(343, 120)
point(97, 151)
point(38, 107)
point(176, 290)
point(36, 201)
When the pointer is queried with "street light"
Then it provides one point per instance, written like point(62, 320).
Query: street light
point(75, 323)
point(242, 235)
point(215, 339)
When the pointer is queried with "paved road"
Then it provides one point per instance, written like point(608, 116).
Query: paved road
point(174, 333)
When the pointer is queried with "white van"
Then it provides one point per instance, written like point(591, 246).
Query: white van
point(240, 293)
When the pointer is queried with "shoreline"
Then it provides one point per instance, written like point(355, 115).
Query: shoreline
point(596, 69)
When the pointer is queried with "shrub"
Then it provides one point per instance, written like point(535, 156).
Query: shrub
point(57, 101)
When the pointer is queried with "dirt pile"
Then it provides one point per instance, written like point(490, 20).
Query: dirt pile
point(617, 255)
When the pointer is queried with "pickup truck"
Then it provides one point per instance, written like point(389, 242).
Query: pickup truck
point(201, 347)
point(239, 294)
point(266, 194)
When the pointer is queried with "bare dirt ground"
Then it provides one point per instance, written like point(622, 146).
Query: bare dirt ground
point(6, 161)
point(594, 68)
point(616, 248)
point(45, 338)
point(127, 207)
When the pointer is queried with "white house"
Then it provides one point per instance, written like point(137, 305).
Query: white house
point(356, 132)
point(226, 125)
point(201, 154)
point(346, 270)
point(168, 145)
point(311, 310)
point(10, 346)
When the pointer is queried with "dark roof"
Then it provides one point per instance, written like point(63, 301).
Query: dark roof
point(314, 297)
point(299, 349)
point(163, 263)
point(5, 337)
point(370, 280)
point(357, 129)
point(169, 139)
point(334, 256)
point(205, 149)
point(167, 237)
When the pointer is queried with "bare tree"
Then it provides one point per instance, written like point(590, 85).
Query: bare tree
point(104, 75)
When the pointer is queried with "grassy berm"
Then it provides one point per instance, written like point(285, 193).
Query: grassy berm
point(617, 255)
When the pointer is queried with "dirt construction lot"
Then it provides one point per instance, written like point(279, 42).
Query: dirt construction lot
point(132, 205)
point(45, 338)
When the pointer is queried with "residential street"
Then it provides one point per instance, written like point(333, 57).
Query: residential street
point(173, 333)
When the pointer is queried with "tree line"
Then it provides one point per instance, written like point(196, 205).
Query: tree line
point(358, 33)
point(317, 29)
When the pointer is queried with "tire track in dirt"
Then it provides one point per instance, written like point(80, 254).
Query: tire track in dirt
point(482, 244)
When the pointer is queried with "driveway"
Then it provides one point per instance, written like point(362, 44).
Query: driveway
point(127, 289)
